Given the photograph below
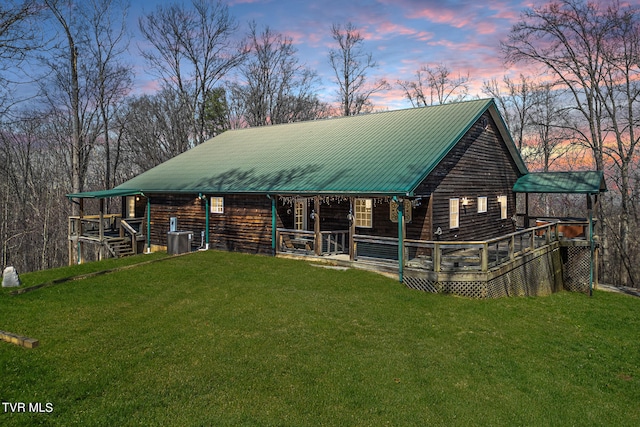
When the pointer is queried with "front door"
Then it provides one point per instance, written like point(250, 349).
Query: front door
point(300, 215)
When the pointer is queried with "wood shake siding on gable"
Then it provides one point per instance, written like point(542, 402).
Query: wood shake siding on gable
point(479, 166)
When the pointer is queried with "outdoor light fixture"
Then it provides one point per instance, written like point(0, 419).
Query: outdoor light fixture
point(465, 201)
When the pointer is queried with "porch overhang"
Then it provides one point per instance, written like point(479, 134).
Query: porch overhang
point(580, 182)
point(104, 194)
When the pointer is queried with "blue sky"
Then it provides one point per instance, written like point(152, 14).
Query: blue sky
point(402, 35)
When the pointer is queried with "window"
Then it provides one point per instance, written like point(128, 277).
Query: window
point(300, 215)
point(217, 205)
point(363, 214)
point(482, 204)
point(454, 213)
point(503, 206)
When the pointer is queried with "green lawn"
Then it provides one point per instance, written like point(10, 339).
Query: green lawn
point(229, 339)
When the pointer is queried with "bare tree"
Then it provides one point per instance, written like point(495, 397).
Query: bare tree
point(107, 44)
point(192, 50)
point(591, 49)
point(350, 65)
point(68, 77)
point(566, 37)
point(435, 85)
point(620, 93)
point(548, 120)
point(18, 38)
point(515, 100)
point(32, 218)
point(273, 86)
point(155, 128)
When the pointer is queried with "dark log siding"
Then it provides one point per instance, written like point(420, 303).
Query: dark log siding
point(188, 209)
point(480, 165)
point(245, 225)
point(420, 226)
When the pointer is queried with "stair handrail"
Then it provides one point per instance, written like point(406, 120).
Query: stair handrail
point(129, 229)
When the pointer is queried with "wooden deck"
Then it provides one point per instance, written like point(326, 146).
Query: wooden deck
point(526, 262)
point(112, 235)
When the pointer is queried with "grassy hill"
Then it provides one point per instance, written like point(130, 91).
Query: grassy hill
point(216, 338)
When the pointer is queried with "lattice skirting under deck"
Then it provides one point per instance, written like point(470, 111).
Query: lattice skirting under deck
point(539, 276)
point(576, 263)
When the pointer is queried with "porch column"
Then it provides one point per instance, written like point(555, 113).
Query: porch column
point(101, 230)
point(206, 220)
point(148, 225)
point(352, 229)
point(401, 231)
point(274, 225)
point(526, 210)
point(317, 244)
point(80, 245)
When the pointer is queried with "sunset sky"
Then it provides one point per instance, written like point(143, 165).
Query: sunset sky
point(402, 35)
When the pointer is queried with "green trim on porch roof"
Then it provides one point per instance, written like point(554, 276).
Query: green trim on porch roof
point(387, 153)
point(589, 182)
point(102, 194)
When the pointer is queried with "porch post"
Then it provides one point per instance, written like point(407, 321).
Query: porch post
point(148, 225)
point(526, 208)
point(317, 244)
point(400, 204)
point(352, 229)
point(274, 225)
point(101, 229)
point(80, 245)
point(206, 221)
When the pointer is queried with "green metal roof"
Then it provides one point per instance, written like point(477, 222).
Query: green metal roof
point(589, 182)
point(387, 153)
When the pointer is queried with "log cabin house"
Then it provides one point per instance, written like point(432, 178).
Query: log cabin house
point(417, 192)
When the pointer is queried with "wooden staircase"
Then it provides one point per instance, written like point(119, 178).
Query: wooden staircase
point(119, 246)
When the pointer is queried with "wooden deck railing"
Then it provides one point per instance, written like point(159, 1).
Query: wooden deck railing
point(90, 226)
point(295, 240)
point(335, 242)
point(437, 256)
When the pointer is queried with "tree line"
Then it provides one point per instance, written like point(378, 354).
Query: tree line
point(70, 120)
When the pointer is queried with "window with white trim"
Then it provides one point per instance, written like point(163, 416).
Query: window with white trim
point(502, 200)
point(364, 213)
point(217, 205)
point(482, 204)
point(454, 213)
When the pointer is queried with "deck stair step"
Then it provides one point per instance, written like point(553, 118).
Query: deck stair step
point(119, 247)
